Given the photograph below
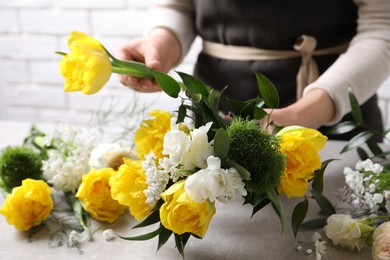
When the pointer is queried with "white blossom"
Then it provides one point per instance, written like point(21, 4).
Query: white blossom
point(109, 155)
point(79, 238)
point(176, 143)
point(108, 234)
point(199, 149)
point(214, 183)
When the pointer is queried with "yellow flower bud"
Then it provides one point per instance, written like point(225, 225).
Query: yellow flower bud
point(127, 187)
point(28, 205)
point(150, 135)
point(181, 214)
point(88, 67)
point(95, 196)
point(301, 146)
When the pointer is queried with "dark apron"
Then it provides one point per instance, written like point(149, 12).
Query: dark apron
point(273, 25)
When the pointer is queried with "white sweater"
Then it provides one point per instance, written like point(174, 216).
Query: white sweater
point(363, 67)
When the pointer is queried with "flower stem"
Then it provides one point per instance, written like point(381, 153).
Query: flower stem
point(135, 71)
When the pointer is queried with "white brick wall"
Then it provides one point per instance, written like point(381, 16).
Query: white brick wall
point(31, 87)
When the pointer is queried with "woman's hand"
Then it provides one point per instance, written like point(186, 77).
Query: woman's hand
point(313, 110)
point(160, 50)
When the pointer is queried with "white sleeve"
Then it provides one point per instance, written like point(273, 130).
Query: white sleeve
point(366, 63)
point(175, 15)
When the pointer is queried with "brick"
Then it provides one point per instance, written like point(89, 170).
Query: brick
point(42, 97)
point(53, 21)
point(9, 21)
point(58, 116)
point(27, 46)
point(90, 4)
point(25, 3)
point(20, 114)
point(13, 71)
point(118, 23)
point(138, 4)
point(46, 72)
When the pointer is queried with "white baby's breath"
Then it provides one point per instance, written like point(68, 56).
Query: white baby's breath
point(68, 161)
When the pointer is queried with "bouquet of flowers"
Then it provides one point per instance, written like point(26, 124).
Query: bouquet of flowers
point(183, 162)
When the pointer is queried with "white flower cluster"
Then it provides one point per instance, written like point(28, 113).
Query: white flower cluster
point(365, 183)
point(68, 160)
point(191, 154)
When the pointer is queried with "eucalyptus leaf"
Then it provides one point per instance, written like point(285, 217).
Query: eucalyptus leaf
point(143, 237)
point(277, 206)
point(267, 91)
point(342, 128)
point(356, 111)
point(221, 143)
point(357, 140)
point(299, 215)
point(167, 83)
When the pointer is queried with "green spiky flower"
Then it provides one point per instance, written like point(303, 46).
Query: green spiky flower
point(16, 164)
point(258, 151)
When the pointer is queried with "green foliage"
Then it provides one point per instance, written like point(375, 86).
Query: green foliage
point(367, 136)
point(18, 163)
point(257, 151)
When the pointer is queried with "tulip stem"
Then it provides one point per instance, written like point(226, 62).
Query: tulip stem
point(133, 71)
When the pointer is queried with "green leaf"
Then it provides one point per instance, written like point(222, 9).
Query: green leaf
point(298, 215)
point(258, 205)
point(179, 244)
point(163, 237)
point(150, 220)
point(182, 112)
point(144, 237)
point(245, 174)
point(315, 223)
point(167, 83)
point(375, 148)
point(259, 113)
point(356, 111)
point(362, 153)
point(357, 140)
point(267, 91)
point(325, 205)
point(221, 143)
point(342, 128)
point(276, 205)
point(193, 84)
point(318, 180)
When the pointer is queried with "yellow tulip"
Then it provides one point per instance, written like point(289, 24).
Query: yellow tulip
point(181, 214)
point(150, 135)
point(301, 146)
point(28, 205)
point(88, 67)
point(95, 196)
point(127, 187)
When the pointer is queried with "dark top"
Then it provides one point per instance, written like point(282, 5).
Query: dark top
point(273, 25)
